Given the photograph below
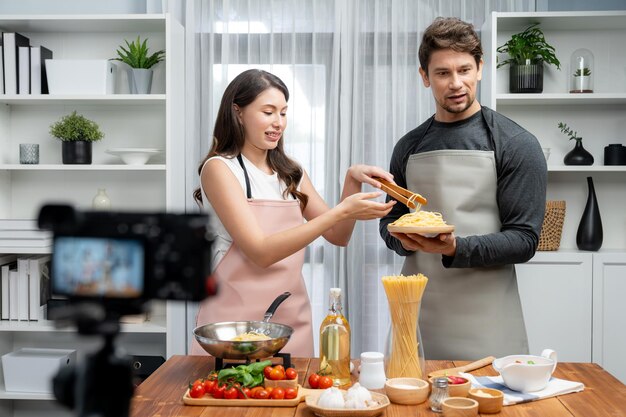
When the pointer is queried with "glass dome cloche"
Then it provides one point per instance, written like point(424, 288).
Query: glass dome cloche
point(581, 71)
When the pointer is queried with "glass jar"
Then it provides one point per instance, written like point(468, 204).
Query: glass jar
point(438, 394)
point(101, 200)
point(581, 71)
point(404, 351)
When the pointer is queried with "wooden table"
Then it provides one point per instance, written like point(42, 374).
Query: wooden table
point(161, 394)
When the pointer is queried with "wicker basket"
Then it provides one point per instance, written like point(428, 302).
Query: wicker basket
point(550, 237)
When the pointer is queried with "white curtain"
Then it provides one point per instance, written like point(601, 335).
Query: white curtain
point(352, 70)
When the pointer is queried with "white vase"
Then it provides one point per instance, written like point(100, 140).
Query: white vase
point(101, 200)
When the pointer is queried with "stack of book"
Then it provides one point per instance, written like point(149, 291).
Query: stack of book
point(22, 66)
point(25, 288)
point(23, 235)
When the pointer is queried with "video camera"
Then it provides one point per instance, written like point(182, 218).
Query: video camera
point(107, 265)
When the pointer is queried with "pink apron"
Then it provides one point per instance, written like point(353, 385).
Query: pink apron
point(246, 290)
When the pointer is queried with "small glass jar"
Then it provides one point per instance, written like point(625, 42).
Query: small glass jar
point(439, 393)
point(372, 374)
point(101, 200)
point(581, 71)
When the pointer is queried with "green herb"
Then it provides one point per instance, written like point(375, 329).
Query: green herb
point(247, 375)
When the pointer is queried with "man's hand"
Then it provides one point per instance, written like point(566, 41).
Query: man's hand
point(444, 243)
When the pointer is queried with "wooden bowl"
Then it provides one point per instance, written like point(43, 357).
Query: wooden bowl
point(408, 391)
point(490, 400)
point(459, 407)
point(455, 390)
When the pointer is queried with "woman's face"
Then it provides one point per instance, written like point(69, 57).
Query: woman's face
point(265, 119)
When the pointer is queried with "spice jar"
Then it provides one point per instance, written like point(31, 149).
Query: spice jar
point(372, 374)
point(439, 393)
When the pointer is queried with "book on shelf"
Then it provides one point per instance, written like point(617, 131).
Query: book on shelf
point(38, 76)
point(7, 263)
point(13, 296)
point(23, 70)
point(1, 68)
point(11, 41)
point(38, 286)
point(22, 288)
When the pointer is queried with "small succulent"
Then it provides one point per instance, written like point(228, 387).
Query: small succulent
point(569, 132)
point(75, 127)
point(584, 72)
point(136, 54)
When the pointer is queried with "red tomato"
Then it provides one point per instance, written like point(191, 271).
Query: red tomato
point(262, 395)
point(266, 371)
point(269, 390)
point(282, 368)
point(277, 374)
point(314, 380)
point(243, 393)
point(197, 382)
point(209, 384)
point(291, 373)
point(230, 393)
point(254, 390)
point(218, 392)
point(325, 382)
point(277, 394)
point(291, 393)
point(196, 391)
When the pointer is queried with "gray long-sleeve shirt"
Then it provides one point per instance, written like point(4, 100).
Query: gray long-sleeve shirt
point(521, 194)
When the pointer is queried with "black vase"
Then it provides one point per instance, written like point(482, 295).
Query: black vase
point(589, 235)
point(578, 155)
point(526, 78)
point(76, 152)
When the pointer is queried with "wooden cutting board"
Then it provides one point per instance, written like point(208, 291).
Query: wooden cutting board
point(251, 402)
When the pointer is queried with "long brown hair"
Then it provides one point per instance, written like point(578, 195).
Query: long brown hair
point(228, 134)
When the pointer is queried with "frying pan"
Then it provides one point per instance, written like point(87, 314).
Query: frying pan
point(215, 338)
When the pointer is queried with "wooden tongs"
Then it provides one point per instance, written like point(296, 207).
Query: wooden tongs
point(406, 197)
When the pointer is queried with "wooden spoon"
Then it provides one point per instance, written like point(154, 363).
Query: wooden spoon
point(465, 368)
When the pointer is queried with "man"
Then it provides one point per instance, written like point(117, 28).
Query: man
point(487, 176)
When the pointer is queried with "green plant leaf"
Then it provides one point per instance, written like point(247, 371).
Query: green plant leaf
point(73, 127)
point(136, 54)
point(528, 46)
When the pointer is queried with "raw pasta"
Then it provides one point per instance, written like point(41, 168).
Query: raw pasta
point(404, 294)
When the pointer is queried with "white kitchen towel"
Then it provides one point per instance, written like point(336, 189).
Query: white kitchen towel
point(555, 387)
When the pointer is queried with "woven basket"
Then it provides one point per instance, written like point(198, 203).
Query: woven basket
point(550, 238)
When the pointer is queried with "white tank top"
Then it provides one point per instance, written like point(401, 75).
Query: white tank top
point(263, 187)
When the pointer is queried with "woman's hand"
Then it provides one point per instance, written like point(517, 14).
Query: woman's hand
point(360, 206)
point(445, 243)
point(364, 174)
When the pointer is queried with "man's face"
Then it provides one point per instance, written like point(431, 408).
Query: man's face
point(453, 77)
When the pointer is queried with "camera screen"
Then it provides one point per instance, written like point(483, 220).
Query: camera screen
point(98, 267)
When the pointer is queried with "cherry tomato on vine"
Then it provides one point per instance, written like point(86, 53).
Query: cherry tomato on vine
point(218, 392)
point(266, 371)
point(277, 374)
point(243, 393)
point(262, 395)
point(291, 393)
point(325, 382)
point(277, 394)
point(196, 391)
point(208, 385)
point(314, 380)
point(230, 393)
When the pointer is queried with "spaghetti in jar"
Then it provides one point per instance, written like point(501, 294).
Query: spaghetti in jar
point(405, 354)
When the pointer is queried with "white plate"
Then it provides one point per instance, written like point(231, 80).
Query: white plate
point(134, 156)
point(428, 231)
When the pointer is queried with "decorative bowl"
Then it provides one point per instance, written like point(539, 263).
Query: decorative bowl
point(455, 389)
point(527, 373)
point(459, 407)
point(489, 400)
point(408, 391)
point(134, 156)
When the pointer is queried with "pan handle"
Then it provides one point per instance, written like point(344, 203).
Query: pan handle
point(272, 309)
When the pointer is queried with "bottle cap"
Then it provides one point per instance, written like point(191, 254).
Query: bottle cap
point(372, 357)
point(335, 292)
point(441, 382)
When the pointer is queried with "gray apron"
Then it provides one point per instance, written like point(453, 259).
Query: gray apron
point(466, 313)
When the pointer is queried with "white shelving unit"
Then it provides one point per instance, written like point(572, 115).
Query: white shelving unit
point(567, 278)
point(153, 120)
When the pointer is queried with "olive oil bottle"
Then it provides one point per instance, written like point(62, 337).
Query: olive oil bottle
point(335, 343)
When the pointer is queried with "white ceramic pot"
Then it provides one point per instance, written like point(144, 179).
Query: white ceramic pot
point(527, 373)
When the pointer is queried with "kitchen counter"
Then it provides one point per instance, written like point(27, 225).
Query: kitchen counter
point(161, 394)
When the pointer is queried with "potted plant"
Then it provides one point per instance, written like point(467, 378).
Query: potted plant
point(528, 51)
point(578, 155)
point(77, 134)
point(137, 57)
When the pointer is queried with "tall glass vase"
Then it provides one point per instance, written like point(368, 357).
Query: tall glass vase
point(589, 236)
point(404, 353)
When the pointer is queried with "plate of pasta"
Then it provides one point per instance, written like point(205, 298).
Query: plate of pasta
point(425, 223)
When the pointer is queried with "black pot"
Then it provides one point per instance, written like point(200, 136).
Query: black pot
point(578, 155)
point(76, 152)
point(615, 154)
point(526, 78)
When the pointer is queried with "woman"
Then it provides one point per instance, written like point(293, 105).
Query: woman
point(258, 199)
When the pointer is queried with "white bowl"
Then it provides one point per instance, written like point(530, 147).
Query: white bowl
point(527, 373)
point(134, 156)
